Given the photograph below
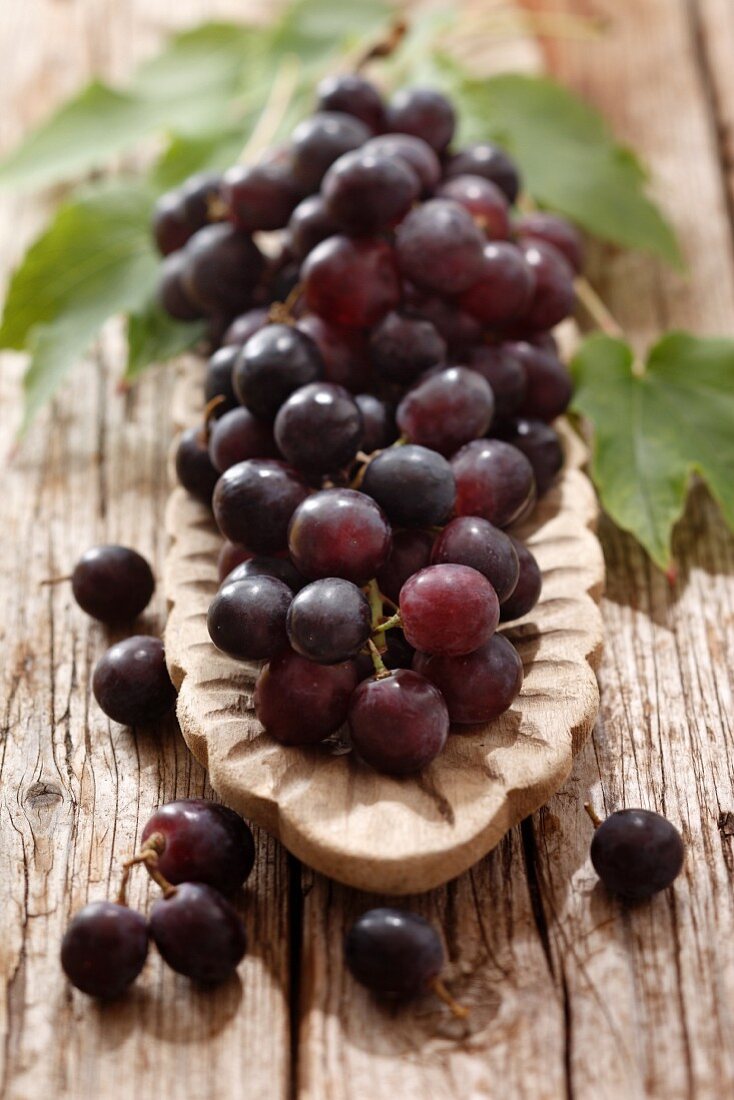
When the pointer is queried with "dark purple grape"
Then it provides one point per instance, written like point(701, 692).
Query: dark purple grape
point(367, 192)
point(446, 410)
point(448, 609)
point(104, 949)
point(319, 428)
point(202, 842)
point(131, 681)
point(637, 853)
point(299, 702)
point(320, 140)
point(378, 422)
point(351, 94)
point(553, 230)
point(274, 363)
point(549, 388)
point(230, 556)
point(424, 113)
point(402, 348)
point(490, 162)
point(329, 621)
point(246, 618)
point(112, 583)
point(309, 225)
point(439, 247)
point(259, 196)
point(254, 501)
point(199, 193)
point(458, 328)
point(280, 568)
point(396, 654)
point(198, 933)
point(469, 540)
point(411, 552)
point(541, 446)
point(413, 485)
point(245, 326)
point(398, 723)
point(339, 533)
point(554, 296)
point(493, 480)
point(221, 269)
point(239, 436)
point(504, 288)
point(415, 152)
point(218, 381)
point(527, 590)
point(171, 228)
point(194, 467)
point(479, 686)
point(171, 293)
point(484, 200)
point(394, 953)
point(351, 282)
point(343, 351)
point(502, 368)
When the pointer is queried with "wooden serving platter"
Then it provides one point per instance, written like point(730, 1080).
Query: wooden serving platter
point(337, 815)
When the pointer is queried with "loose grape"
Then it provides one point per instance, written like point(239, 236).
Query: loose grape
point(131, 681)
point(194, 468)
point(446, 410)
point(320, 140)
point(319, 428)
point(254, 501)
point(367, 192)
point(273, 363)
point(424, 113)
point(402, 348)
point(489, 161)
point(469, 540)
point(351, 281)
point(104, 949)
point(394, 953)
point(527, 589)
point(198, 933)
point(414, 486)
point(439, 247)
point(300, 702)
point(246, 618)
point(637, 853)
point(339, 533)
point(399, 723)
point(203, 842)
point(493, 480)
point(351, 94)
point(411, 552)
point(112, 583)
point(479, 686)
point(448, 609)
point(329, 621)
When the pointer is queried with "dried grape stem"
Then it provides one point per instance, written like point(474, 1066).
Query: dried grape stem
point(381, 672)
point(385, 46)
point(595, 819)
point(460, 1011)
point(148, 855)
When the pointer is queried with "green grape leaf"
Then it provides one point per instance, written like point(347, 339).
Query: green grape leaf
point(656, 427)
point(154, 337)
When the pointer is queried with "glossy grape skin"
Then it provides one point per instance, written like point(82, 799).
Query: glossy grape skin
point(457, 327)
point(194, 468)
point(131, 681)
point(490, 162)
point(300, 702)
point(548, 388)
point(231, 554)
point(245, 326)
point(274, 363)
point(218, 381)
point(112, 583)
point(448, 609)
point(394, 953)
point(259, 196)
point(484, 200)
point(540, 444)
point(378, 422)
point(310, 224)
point(469, 540)
point(329, 621)
point(343, 351)
point(261, 566)
point(351, 94)
point(339, 533)
point(398, 723)
point(528, 587)
point(415, 152)
point(402, 348)
point(239, 436)
point(254, 501)
point(320, 140)
point(170, 226)
point(479, 686)
point(203, 842)
point(104, 949)
point(504, 288)
point(424, 113)
point(319, 428)
point(411, 552)
point(351, 281)
point(637, 853)
point(397, 653)
point(369, 192)
point(440, 248)
point(499, 365)
point(198, 933)
point(554, 296)
point(171, 293)
point(414, 486)
point(222, 267)
point(493, 480)
point(556, 231)
point(246, 618)
point(446, 410)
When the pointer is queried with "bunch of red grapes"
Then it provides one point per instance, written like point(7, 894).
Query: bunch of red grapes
point(378, 415)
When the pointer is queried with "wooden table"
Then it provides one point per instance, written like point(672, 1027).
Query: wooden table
point(571, 993)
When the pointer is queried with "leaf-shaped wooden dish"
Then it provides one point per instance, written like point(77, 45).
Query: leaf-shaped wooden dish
point(335, 813)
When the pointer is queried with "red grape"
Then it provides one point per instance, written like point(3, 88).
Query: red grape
point(194, 468)
point(104, 949)
point(203, 842)
point(424, 113)
point(415, 152)
point(329, 621)
point(367, 192)
point(403, 347)
point(261, 566)
point(339, 533)
point(553, 230)
point(483, 199)
point(259, 196)
point(245, 326)
point(549, 388)
point(504, 287)
point(221, 269)
point(198, 933)
point(478, 686)
point(239, 436)
point(299, 702)
point(637, 853)
point(351, 94)
point(378, 422)
point(394, 953)
point(319, 428)
point(398, 723)
point(527, 590)
point(131, 681)
point(343, 351)
point(309, 225)
point(351, 281)
point(318, 141)
point(273, 363)
point(541, 446)
point(493, 480)
point(448, 609)
point(411, 552)
point(554, 296)
point(502, 367)
point(439, 247)
point(112, 583)
point(469, 540)
point(218, 381)
point(413, 485)
point(446, 410)
point(230, 556)
point(254, 501)
point(489, 161)
point(171, 293)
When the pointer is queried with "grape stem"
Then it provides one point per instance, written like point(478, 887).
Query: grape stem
point(148, 854)
point(54, 580)
point(381, 671)
point(375, 600)
point(596, 309)
point(394, 620)
point(461, 1012)
point(384, 47)
point(281, 313)
point(595, 819)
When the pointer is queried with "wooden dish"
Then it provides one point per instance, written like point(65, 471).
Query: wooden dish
point(333, 812)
